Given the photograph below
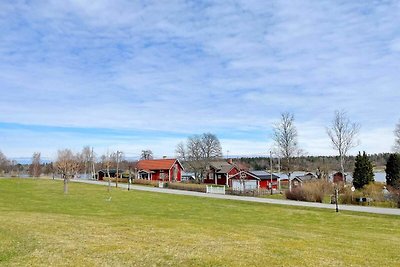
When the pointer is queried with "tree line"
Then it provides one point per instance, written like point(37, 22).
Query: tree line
point(199, 150)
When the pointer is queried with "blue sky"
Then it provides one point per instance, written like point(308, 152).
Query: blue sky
point(135, 75)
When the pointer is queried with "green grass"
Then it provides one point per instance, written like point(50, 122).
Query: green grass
point(40, 226)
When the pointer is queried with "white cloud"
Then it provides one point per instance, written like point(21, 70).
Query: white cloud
point(186, 68)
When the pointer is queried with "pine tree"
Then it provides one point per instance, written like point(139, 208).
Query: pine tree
point(393, 170)
point(363, 171)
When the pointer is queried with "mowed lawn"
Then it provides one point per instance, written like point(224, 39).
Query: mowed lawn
point(40, 226)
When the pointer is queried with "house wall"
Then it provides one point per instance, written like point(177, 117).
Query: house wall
point(221, 179)
point(209, 179)
point(237, 177)
point(265, 184)
point(179, 174)
point(156, 176)
point(338, 177)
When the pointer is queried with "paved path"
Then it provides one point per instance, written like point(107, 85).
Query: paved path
point(377, 210)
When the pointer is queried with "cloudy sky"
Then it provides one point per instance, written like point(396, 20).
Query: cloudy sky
point(133, 75)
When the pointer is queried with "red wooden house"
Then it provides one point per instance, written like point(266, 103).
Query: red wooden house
point(160, 170)
point(220, 171)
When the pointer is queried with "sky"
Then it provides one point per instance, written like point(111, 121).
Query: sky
point(134, 75)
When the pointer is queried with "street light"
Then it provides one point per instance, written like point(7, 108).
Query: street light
point(130, 178)
point(336, 197)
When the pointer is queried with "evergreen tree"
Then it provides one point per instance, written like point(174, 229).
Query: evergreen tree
point(363, 171)
point(393, 170)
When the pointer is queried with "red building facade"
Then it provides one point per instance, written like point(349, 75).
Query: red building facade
point(160, 170)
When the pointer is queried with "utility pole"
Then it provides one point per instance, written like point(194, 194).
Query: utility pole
point(92, 170)
point(279, 172)
point(270, 163)
point(108, 162)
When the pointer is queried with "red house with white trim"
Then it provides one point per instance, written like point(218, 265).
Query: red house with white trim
point(160, 170)
point(220, 172)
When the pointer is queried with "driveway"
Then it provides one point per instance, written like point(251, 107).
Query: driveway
point(387, 211)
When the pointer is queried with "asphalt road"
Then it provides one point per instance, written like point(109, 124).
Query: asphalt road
point(377, 210)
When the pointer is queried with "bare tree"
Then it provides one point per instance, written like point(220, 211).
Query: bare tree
point(119, 155)
point(86, 156)
point(180, 151)
point(35, 169)
point(4, 163)
point(109, 161)
point(93, 163)
point(397, 138)
point(285, 137)
point(343, 133)
point(67, 165)
point(48, 169)
point(146, 154)
point(199, 151)
point(211, 147)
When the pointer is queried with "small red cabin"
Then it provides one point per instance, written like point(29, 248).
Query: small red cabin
point(160, 170)
point(220, 172)
point(339, 178)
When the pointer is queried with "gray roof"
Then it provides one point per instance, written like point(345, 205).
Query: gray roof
point(306, 177)
point(263, 175)
point(222, 166)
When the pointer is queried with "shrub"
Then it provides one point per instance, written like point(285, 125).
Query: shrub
point(253, 193)
point(145, 182)
point(297, 193)
point(113, 179)
point(395, 196)
point(311, 191)
point(374, 191)
point(346, 196)
point(187, 186)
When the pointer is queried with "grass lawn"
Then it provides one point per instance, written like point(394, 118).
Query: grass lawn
point(39, 226)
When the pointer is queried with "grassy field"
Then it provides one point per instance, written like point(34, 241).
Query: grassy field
point(39, 226)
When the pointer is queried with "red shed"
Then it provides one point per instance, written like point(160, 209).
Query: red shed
point(261, 178)
point(339, 177)
point(160, 170)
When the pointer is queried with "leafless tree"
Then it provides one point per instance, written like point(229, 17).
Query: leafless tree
point(86, 156)
point(146, 154)
point(397, 138)
point(211, 147)
point(4, 163)
point(199, 151)
point(48, 169)
point(343, 133)
point(109, 160)
point(119, 155)
point(35, 169)
point(285, 138)
point(180, 151)
point(67, 165)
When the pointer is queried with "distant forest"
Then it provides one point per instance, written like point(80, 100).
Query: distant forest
point(313, 163)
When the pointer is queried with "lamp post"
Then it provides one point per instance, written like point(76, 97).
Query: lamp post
point(336, 197)
point(130, 179)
